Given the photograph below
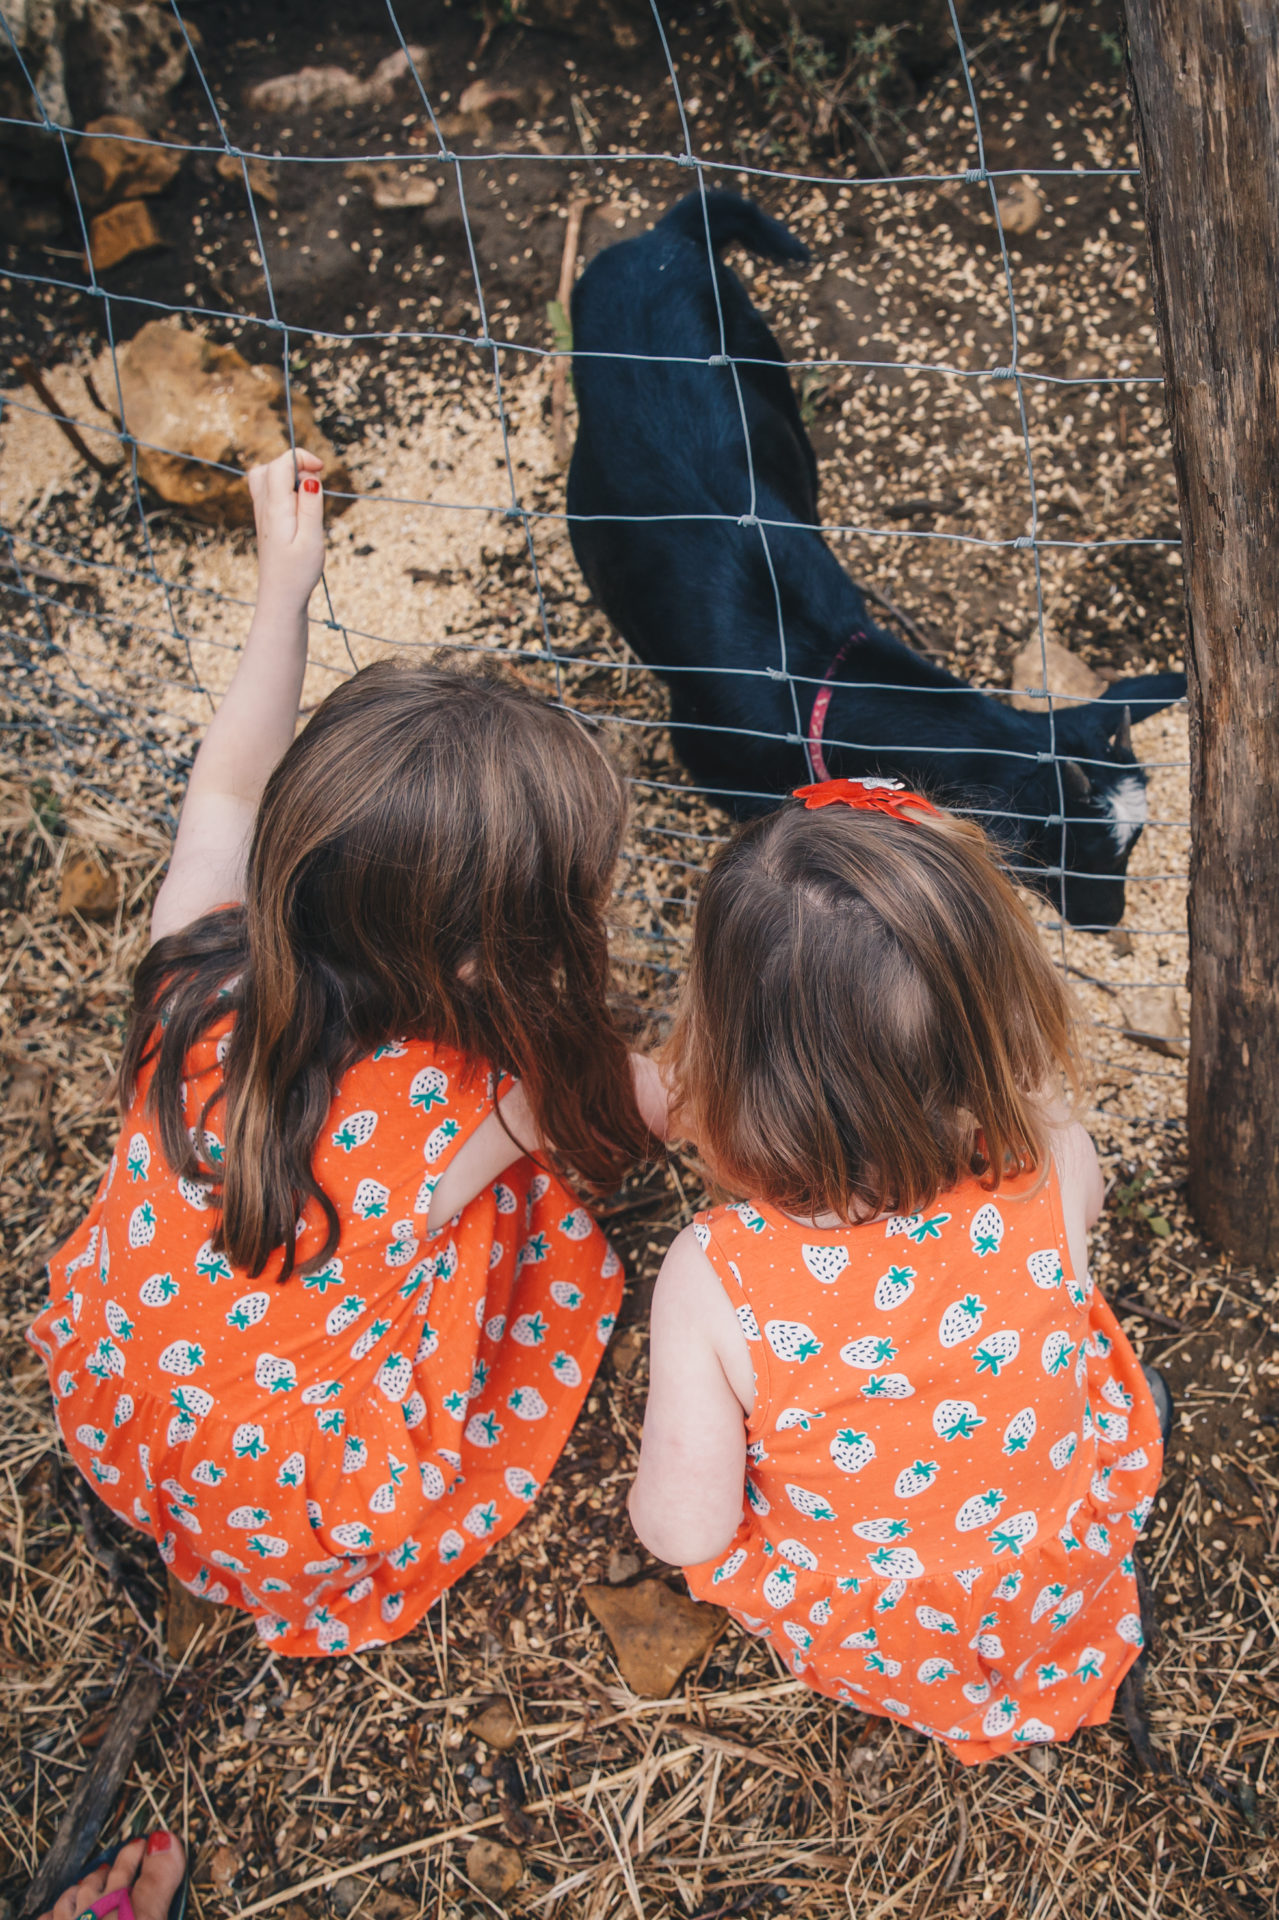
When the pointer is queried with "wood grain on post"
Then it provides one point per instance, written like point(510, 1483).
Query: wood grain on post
point(1205, 85)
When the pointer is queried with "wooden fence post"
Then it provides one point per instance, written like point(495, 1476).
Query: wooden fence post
point(1204, 77)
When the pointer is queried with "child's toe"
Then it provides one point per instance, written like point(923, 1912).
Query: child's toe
point(158, 1877)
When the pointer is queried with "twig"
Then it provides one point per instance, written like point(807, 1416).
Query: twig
point(27, 372)
point(894, 612)
point(577, 210)
point(96, 1794)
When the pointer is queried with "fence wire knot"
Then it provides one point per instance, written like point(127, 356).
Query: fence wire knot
point(975, 176)
point(1023, 541)
point(718, 360)
point(1001, 373)
point(748, 520)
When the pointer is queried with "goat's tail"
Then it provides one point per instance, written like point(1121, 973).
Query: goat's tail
point(730, 218)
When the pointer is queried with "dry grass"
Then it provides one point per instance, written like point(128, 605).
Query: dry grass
point(356, 1786)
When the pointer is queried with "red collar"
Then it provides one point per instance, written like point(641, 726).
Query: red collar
point(821, 706)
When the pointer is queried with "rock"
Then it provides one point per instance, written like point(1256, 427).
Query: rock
point(123, 166)
point(1122, 941)
point(1152, 1017)
point(1067, 675)
point(200, 402)
point(184, 1615)
point(120, 232)
point(321, 89)
point(345, 1894)
point(497, 1726)
point(1021, 208)
point(224, 1865)
point(655, 1633)
point(87, 887)
point(622, 1566)
point(392, 187)
point(261, 175)
point(496, 1870)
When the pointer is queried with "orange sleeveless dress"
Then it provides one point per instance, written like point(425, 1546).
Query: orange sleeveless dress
point(332, 1451)
point(951, 1455)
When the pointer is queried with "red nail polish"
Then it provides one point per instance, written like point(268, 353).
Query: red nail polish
point(310, 486)
point(159, 1842)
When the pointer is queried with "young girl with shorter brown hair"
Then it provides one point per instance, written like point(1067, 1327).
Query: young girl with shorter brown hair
point(891, 1424)
point(335, 1308)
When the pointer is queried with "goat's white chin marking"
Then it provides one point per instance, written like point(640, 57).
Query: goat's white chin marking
point(1129, 810)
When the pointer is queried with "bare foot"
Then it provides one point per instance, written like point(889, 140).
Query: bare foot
point(151, 1869)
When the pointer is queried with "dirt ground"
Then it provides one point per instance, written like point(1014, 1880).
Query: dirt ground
point(739, 1794)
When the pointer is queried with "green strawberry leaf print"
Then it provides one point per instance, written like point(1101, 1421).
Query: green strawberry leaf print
point(455, 1405)
point(1006, 1542)
point(922, 1230)
point(1089, 1667)
point(321, 1281)
point(1049, 1674)
point(331, 1422)
point(484, 1518)
point(251, 1448)
point(405, 1555)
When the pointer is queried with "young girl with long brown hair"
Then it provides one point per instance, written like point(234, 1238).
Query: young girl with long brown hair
point(891, 1423)
point(335, 1308)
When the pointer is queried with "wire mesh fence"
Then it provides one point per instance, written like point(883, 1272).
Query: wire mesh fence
point(115, 655)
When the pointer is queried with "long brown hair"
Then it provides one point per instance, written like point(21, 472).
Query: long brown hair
point(868, 1016)
point(432, 859)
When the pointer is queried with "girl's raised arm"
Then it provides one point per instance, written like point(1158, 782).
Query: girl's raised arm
point(255, 722)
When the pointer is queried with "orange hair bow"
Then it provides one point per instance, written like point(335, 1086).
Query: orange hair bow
point(872, 794)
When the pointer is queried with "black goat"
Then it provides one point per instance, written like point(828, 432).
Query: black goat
point(704, 556)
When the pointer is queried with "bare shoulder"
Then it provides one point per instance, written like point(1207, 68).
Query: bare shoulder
point(690, 1305)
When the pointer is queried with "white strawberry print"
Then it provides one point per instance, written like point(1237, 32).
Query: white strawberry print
point(851, 1451)
point(1128, 1627)
point(506, 1201)
point(797, 1417)
point(451, 1545)
point(248, 1442)
point(292, 1472)
point(880, 1531)
point(530, 1330)
point(138, 1157)
point(1045, 1269)
point(566, 1370)
point(980, 1510)
point(779, 1587)
point(1046, 1599)
point(118, 1322)
point(1132, 1462)
point(576, 1225)
point(181, 1357)
point(446, 1262)
point(1033, 1733)
point(538, 1188)
point(996, 1351)
point(123, 1411)
point(933, 1669)
point(604, 1328)
point(382, 1499)
point(247, 1311)
point(961, 1320)
point(896, 1563)
point(916, 1226)
point(893, 1287)
point(353, 1535)
point(986, 1230)
point(749, 1217)
point(394, 1377)
point(196, 1193)
point(522, 1484)
point(915, 1479)
point(1019, 1432)
point(370, 1200)
point(611, 1264)
point(868, 1353)
point(142, 1224)
point(1097, 1539)
point(91, 1437)
point(355, 1455)
point(858, 1642)
point(791, 1340)
point(798, 1554)
point(355, 1131)
point(437, 1141)
point(933, 1621)
point(344, 1314)
point(481, 1519)
point(886, 1386)
point(1062, 1451)
point(956, 1420)
point(1116, 1395)
point(1000, 1716)
point(734, 1563)
point(526, 1403)
point(825, 1263)
point(248, 1519)
point(193, 1403)
point(274, 1375)
point(364, 1345)
point(810, 1504)
point(798, 1636)
point(428, 1089)
point(402, 1247)
point(211, 1265)
point(976, 1692)
point(748, 1323)
point(1011, 1535)
point(1055, 1354)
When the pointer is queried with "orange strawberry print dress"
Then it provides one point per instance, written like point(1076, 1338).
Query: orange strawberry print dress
point(951, 1454)
point(332, 1451)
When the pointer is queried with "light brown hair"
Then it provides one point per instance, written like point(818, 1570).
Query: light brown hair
point(868, 1016)
point(432, 859)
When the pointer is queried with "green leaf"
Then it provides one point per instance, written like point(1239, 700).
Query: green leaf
point(561, 327)
point(1158, 1225)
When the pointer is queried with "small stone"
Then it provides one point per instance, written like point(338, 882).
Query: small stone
point(261, 175)
point(497, 1726)
point(345, 1894)
point(655, 1634)
point(1021, 208)
point(1152, 1017)
point(1070, 679)
point(321, 89)
point(622, 1566)
point(117, 162)
point(496, 1870)
point(1122, 942)
point(224, 1865)
point(393, 188)
point(121, 232)
point(88, 887)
